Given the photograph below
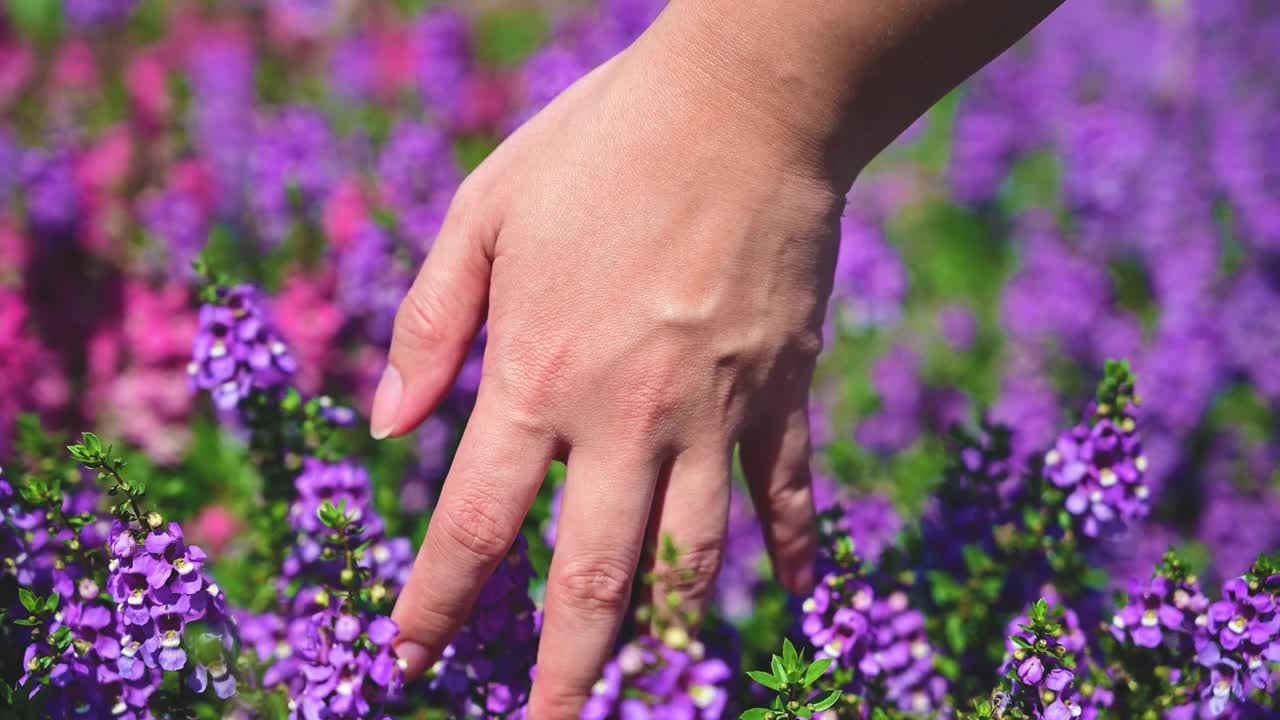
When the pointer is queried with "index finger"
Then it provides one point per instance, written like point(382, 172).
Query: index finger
point(499, 466)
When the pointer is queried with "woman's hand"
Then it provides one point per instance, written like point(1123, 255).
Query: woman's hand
point(654, 254)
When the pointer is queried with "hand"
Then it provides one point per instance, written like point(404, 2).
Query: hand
point(654, 253)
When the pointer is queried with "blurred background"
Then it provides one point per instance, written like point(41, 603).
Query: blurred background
point(1110, 188)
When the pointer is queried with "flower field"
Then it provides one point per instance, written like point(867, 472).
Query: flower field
point(1045, 421)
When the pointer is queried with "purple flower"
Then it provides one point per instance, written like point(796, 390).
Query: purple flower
point(443, 41)
point(94, 14)
point(1239, 636)
point(51, 192)
point(652, 678)
point(160, 589)
point(178, 223)
point(493, 654)
point(347, 666)
point(870, 279)
point(221, 71)
point(1100, 466)
point(237, 350)
point(546, 74)
point(878, 636)
point(374, 274)
point(291, 168)
point(418, 175)
point(1163, 610)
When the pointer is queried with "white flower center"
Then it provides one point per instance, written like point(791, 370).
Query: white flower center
point(170, 639)
point(1107, 477)
point(702, 695)
point(1237, 624)
point(1053, 457)
point(218, 350)
point(1149, 619)
point(135, 597)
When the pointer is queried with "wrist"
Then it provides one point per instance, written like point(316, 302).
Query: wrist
point(789, 73)
point(746, 78)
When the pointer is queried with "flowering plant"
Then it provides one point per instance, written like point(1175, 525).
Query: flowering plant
point(209, 213)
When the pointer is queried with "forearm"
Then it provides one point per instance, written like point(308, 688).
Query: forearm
point(845, 76)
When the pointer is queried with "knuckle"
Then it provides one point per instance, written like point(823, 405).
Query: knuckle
point(420, 318)
point(650, 397)
point(530, 381)
point(696, 575)
point(789, 491)
point(474, 522)
point(598, 586)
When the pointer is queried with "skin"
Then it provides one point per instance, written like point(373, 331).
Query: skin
point(653, 254)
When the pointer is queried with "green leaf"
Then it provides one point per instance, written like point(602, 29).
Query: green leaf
point(51, 603)
point(779, 671)
point(29, 600)
point(804, 712)
point(764, 679)
point(754, 714)
point(826, 702)
point(815, 671)
point(975, 559)
point(789, 657)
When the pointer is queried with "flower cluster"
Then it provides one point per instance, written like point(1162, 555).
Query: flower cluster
point(877, 637)
point(1108, 189)
point(1239, 635)
point(237, 350)
point(1100, 465)
point(347, 666)
point(652, 678)
point(342, 485)
point(291, 170)
point(160, 589)
point(488, 668)
point(1164, 610)
point(1042, 664)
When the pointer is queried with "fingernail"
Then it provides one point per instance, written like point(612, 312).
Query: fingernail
point(386, 403)
point(415, 657)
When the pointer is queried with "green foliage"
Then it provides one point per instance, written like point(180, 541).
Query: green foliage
point(506, 37)
point(39, 20)
point(795, 683)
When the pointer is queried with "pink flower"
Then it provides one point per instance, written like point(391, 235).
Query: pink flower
point(74, 67)
point(345, 212)
point(394, 57)
point(159, 325)
point(309, 319)
point(29, 375)
point(16, 63)
point(106, 163)
point(148, 85)
point(213, 527)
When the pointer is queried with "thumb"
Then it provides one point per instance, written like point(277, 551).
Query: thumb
point(436, 322)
